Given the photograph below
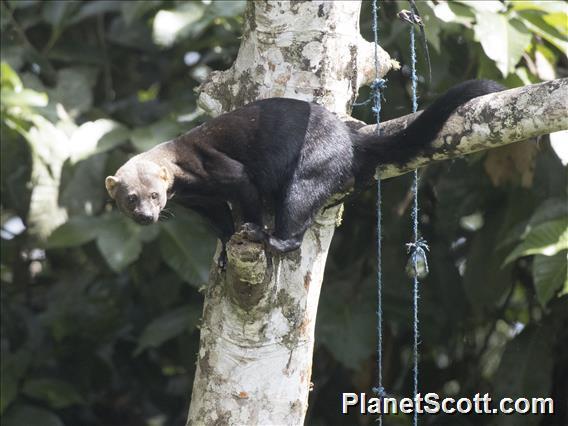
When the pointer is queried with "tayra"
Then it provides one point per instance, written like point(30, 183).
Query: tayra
point(286, 153)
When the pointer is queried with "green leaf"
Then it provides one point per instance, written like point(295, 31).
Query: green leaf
point(544, 25)
point(558, 21)
point(15, 172)
point(345, 327)
point(524, 76)
point(187, 248)
point(14, 94)
point(544, 6)
point(503, 39)
point(73, 89)
point(136, 35)
point(30, 415)
point(120, 240)
point(9, 78)
point(525, 370)
point(171, 25)
point(91, 9)
point(75, 52)
point(82, 191)
point(49, 146)
point(75, 232)
point(455, 12)
point(548, 238)
point(144, 138)
point(135, 9)
point(432, 29)
point(485, 281)
point(57, 12)
point(550, 274)
point(564, 290)
point(552, 208)
point(13, 368)
point(12, 53)
point(545, 60)
point(226, 9)
point(168, 326)
point(488, 6)
point(94, 137)
point(23, 4)
point(57, 393)
point(25, 97)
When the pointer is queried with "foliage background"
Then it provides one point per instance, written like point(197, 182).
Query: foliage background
point(100, 317)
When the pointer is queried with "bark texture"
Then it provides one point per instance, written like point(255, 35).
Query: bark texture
point(305, 50)
point(257, 333)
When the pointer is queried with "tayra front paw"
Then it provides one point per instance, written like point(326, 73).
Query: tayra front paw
point(253, 232)
point(278, 245)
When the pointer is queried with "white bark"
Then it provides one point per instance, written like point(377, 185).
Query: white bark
point(257, 333)
point(305, 50)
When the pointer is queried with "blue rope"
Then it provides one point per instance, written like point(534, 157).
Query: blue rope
point(377, 88)
point(418, 247)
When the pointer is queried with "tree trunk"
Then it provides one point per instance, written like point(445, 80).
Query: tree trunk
point(257, 334)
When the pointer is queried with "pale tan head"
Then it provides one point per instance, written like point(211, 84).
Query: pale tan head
point(140, 189)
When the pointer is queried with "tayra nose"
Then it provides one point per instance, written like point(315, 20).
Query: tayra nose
point(143, 218)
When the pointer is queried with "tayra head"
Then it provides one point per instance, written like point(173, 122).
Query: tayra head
point(140, 189)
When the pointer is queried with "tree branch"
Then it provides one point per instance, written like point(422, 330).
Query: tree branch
point(487, 122)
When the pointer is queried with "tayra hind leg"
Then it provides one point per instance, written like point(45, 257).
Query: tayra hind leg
point(295, 214)
point(251, 209)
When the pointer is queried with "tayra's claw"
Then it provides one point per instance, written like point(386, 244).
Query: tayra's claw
point(222, 260)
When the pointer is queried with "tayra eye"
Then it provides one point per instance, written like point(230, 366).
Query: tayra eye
point(154, 195)
point(132, 198)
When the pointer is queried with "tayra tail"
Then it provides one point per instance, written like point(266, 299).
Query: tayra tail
point(372, 150)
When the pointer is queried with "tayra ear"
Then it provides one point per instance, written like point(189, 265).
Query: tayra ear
point(111, 183)
point(165, 175)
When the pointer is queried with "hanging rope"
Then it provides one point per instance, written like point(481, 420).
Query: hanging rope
point(412, 17)
point(418, 247)
point(377, 88)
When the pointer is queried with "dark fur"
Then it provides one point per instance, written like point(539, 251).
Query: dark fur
point(287, 153)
